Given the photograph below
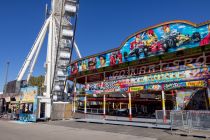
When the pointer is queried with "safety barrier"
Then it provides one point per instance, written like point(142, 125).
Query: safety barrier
point(180, 120)
point(200, 119)
point(189, 120)
point(160, 117)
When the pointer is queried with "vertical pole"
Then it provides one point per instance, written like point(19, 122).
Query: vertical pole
point(104, 106)
point(177, 106)
point(49, 56)
point(6, 76)
point(85, 105)
point(163, 106)
point(48, 105)
point(130, 111)
point(74, 99)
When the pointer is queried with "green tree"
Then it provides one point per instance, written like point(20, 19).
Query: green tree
point(38, 81)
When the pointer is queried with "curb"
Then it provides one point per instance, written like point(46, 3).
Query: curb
point(191, 135)
point(106, 122)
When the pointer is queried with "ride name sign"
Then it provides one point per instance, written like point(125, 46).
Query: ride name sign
point(137, 88)
point(196, 84)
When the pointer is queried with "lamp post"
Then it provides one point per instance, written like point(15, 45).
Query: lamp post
point(6, 76)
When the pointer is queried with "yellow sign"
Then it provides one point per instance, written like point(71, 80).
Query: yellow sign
point(195, 84)
point(138, 88)
point(29, 97)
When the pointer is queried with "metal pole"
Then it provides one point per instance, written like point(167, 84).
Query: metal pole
point(74, 100)
point(104, 106)
point(6, 76)
point(163, 106)
point(85, 105)
point(130, 111)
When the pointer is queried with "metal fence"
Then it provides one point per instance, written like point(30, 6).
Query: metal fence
point(199, 119)
point(180, 120)
point(160, 118)
point(91, 111)
point(185, 120)
point(189, 120)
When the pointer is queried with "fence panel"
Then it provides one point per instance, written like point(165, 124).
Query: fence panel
point(189, 120)
point(180, 120)
point(200, 119)
point(160, 118)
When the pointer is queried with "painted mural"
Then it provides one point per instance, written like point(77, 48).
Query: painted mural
point(28, 106)
point(191, 99)
point(156, 41)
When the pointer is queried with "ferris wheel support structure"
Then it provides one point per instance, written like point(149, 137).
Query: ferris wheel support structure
point(59, 50)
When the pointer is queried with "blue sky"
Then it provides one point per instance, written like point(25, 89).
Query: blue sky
point(102, 25)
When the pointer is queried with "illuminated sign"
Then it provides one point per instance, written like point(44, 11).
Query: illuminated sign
point(137, 88)
point(174, 85)
point(154, 87)
point(174, 80)
point(196, 84)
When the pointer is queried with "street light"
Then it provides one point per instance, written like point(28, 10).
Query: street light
point(6, 76)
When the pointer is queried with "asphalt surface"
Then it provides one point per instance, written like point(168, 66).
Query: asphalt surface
point(159, 134)
point(71, 130)
point(38, 131)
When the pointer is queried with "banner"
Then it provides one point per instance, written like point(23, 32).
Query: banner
point(196, 84)
point(174, 85)
point(29, 96)
point(153, 87)
point(137, 88)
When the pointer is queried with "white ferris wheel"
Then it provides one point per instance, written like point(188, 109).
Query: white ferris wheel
point(60, 30)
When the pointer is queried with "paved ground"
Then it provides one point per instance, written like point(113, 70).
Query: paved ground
point(17, 131)
point(63, 130)
point(159, 134)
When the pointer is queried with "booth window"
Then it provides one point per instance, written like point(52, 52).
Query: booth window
point(27, 108)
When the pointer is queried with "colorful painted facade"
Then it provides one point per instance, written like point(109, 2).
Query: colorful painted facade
point(171, 58)
point(164, 38)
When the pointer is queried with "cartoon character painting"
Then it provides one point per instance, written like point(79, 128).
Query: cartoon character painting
point(112, 59)
point(84, 66)
point(166, 38)
point(152, 37)
point(115, 58)
point(206, 40)
point(92, 63)
point(137, 46)
point(152, 43)
point(102, 61)
point(119, 57)
point(74, 68)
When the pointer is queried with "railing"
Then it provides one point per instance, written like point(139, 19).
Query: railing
point(190, 120)
point(91, 111)
point(112, 115)
point(186, 120)
point(160, 117)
